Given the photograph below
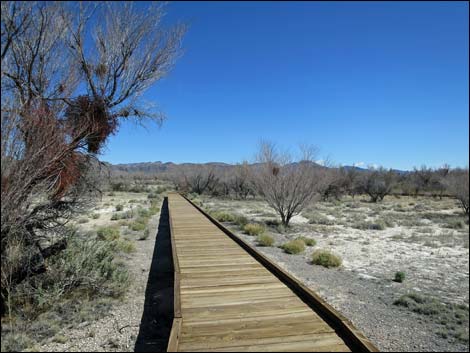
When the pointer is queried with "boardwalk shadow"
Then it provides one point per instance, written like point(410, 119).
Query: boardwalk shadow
point(157, 317)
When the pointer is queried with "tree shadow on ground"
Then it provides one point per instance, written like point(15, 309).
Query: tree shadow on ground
point(157, 317)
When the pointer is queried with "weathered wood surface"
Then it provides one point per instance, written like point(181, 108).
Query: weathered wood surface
point(226, 300)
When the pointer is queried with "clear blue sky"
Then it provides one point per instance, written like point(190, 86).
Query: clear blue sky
point(367, 82)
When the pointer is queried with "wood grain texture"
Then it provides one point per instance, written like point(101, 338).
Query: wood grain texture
point(230, 301)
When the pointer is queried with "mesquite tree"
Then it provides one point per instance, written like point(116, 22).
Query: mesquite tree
point(67, 80)
point(287, 184)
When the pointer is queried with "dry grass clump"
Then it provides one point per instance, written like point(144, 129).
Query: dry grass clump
point(265, 240)
point(307, 241)
point(294, 246)
point(326, 259)
point(253, 229)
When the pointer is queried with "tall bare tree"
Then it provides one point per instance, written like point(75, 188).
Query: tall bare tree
point(287, 184)
point(67, 80)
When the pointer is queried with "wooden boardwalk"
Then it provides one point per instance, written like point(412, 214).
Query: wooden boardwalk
point(227, 300)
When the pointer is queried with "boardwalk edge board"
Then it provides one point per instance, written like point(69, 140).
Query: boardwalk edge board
point(177, 317)
point(354, 339)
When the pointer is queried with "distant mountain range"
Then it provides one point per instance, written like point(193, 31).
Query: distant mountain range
point(160, 167)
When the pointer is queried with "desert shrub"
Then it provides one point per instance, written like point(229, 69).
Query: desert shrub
point(307, 241)
point(153, 195)
point(139, 224)
point(142, 212)
point(133, 201)
point(455, 224)
point(223, 216)
point(265, 240)
point(125, 246)
point(326, 259)
point(16, 342)
point(115, 217)
point(83, 220)
point(119, 207)
point(253, 229)
point(240, 220)
point(294, 246)
point(319, 219)
point(378, 225)
point(145, 234)
point(399, 276)
point(154, 209)
point(95, 215)
point(420, 304)
point(108, 233)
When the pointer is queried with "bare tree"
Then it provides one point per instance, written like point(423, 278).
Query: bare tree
point(197, 178)
point(288, 185)
point(378, 183)
point(240, 183)
point(456, 182)
point(62, 97)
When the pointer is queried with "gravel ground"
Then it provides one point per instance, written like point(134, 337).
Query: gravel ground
point(367, 302)
point(118, 330)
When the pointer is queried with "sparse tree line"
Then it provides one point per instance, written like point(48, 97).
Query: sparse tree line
point(289, 183)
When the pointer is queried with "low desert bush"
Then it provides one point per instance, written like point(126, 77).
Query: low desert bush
point(139, 224)
point(307, 241)
point(265, 240)
point(145, 234)
point(119, 207)
point(399, 276)
point(294, 246)
point(240, 220)
point(326, 259)
point(125, 246)
point(223, 216)
point(83, 220)
point(108, 233)
point(95, 215)
point(253, 229)
point(319, 219)
point(378, 225)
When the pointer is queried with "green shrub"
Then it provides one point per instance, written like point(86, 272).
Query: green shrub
point(399, 276)
point(83, 220)
point(119, 207)
point(455, 224)
point(145, 234)
point(326, 259)
point(253, 229)
point(265, 240)
point(294, 246)
point(140, 223)
point(240, 220)
point(125, 246)
point(223, 216)
point(115, 217)
point(319, 219)
point(108, 233)
point(379, 225)
point(95, 215)
point(307, 241)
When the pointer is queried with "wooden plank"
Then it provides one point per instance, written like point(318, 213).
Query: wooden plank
point(347, 330)
point(175, 334)
point(232, 300)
